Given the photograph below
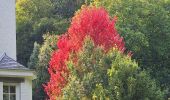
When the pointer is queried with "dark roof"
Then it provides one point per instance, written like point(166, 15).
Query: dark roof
point(8, 63)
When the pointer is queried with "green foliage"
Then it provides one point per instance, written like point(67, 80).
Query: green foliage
point(129, 83)
point(30, 11)
point(153, 93)
point(101, 75)
point(27, 13)
point(99, 93)
point(74, 89)
point(35, 19)
point(145, 26)
point(34, 56)
point(66, 8)
point(52, 25)
point(39, 61)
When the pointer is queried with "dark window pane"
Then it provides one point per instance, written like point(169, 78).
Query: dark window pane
point(5, 89)
point(12, 97)
point(5, 96)
point(12, 89)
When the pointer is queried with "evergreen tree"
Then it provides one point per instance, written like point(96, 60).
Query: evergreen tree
point(34, 56)
point(39, 61)
point(100, 75)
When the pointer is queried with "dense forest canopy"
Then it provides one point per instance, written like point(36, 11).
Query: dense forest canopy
point(145, 26)
point(35, 18)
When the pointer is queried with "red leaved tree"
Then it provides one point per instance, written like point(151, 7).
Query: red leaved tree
point(89, 21)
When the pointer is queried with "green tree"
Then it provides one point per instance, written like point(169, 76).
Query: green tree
point(66, 8)
point(33, 20)
point(39, 61)
point(27, 12)
point(145, 26)
point(101, 75)
point(34, 56)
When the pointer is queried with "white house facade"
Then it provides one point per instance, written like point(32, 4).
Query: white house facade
point(15, 79)
point(8, 28)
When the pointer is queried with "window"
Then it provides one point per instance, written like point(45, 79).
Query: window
point(9, 92)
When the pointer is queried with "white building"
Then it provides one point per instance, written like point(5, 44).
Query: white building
point(15, 79)
point(8, 28)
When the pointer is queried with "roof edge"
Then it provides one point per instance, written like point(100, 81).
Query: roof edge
point(19, 64)
point(20, 73)
point(3, 55)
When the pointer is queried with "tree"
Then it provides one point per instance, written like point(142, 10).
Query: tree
point(66, 8)
point(39, 61)
point(34, 56)
point(27, 12)
point(145, 26)
point(33, 20)
point(98, 75)
point(89, 21)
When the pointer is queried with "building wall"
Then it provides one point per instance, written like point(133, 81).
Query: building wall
point(8, 28)
point(26, 89)
point(23, 90)
point(1, 90)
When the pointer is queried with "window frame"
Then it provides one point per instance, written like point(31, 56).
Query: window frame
point(10, 85)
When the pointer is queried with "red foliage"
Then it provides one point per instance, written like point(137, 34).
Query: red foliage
point(96, 23)
point(58, 70)
point(89, 21)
